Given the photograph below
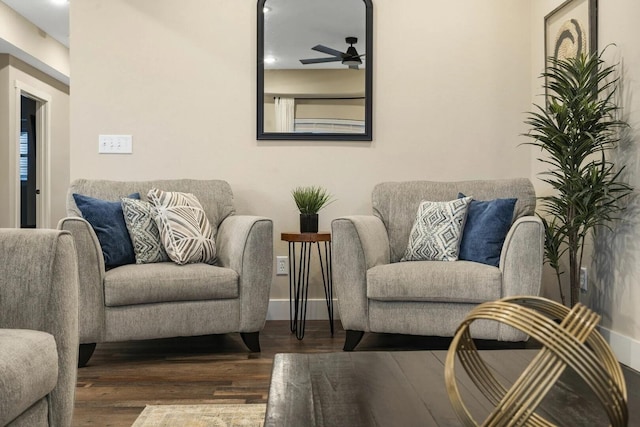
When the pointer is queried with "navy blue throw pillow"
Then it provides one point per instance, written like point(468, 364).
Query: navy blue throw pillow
point(107, 220)
point(488, 223)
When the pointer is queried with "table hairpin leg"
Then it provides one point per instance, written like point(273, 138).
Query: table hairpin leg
point(325, 268)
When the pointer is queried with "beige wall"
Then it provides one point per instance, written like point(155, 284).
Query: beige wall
point(173, 78)
point(616, 294)
point(58, 93)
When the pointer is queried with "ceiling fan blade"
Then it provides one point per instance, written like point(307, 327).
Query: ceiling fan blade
point(319, 60)
point(328, 50)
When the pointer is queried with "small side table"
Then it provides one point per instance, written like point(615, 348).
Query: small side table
point(299, 276)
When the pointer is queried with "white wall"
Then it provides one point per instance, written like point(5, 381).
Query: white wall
point(173, 77)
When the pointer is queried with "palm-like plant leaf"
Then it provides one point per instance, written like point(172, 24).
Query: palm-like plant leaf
point(575, 129)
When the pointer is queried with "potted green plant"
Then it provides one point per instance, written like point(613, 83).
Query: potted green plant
point(309, 201)
point(574, 131)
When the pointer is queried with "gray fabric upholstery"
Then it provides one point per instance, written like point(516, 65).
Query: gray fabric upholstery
point(145, 301)
point(36, 415)
point(434, 281)
point(376, 293)
point(168, 282)
point(39, 292)
point(29, 366)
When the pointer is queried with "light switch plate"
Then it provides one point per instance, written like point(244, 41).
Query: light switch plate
point(115, 144)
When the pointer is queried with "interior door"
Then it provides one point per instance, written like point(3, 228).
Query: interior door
point(28, 163)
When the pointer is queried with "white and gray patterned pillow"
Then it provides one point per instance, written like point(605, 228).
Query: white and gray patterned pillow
point(437, 231)
point(185, 231)
point(143, 230)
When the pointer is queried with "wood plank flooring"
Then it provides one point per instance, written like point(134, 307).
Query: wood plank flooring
point(121, 378)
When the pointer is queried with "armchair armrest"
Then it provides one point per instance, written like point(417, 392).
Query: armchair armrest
point(39, 291)
point(91, 271)
point(359, 243)
point(521, 265)
point(245, 244)
point(522, 257)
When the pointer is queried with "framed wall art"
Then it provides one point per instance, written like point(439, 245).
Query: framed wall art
point(571, 29)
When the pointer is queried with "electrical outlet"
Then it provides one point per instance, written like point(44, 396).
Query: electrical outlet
point(282, 265)
point(583, 279)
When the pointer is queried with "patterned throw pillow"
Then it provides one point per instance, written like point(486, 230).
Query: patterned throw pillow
point(184, 228)
point(143, 230)
point(437, 231)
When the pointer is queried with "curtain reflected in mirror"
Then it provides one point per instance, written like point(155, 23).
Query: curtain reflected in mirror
point(314, 69)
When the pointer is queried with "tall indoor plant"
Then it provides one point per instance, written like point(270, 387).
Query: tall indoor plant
point(309, 201)
point(577, 127)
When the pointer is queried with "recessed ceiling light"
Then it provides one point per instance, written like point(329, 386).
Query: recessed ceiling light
point(266, 9)
point(60, 2)
point(269, 60)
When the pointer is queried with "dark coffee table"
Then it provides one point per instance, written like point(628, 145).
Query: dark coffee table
point(407, 388)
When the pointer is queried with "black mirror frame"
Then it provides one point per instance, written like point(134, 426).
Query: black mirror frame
point(368, 112)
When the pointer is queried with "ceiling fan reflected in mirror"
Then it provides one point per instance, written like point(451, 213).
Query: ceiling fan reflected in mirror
point(350, 57)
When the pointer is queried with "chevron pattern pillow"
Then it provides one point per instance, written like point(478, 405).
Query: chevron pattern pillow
point(185, 231)
point(437, 231)
point(143, 230)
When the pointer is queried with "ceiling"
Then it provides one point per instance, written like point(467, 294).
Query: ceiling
point(51, 16)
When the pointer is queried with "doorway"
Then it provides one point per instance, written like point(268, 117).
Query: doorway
point(28, 163)
point(31, 168)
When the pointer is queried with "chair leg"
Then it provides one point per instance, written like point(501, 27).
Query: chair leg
point(251, 340)
point(85, 351)
point(352, 339)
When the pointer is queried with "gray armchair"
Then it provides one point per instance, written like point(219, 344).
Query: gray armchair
point(377, 293)
point(38, 327)
point(161, 300)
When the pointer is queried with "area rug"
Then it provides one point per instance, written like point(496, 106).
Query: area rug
point(213, 415)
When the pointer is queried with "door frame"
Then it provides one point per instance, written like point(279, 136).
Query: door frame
point(43, 155)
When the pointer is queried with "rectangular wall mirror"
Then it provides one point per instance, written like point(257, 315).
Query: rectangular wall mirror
point(315, 70)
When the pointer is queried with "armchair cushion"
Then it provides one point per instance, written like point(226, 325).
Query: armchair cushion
point(434, 281)
point(143, 230)
point(437, 230)
point(184, 228)
point(107, 221)
point(168, 282)
point(487, 225)
point(29, 366)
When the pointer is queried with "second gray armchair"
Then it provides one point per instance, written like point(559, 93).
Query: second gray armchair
point(377, 293)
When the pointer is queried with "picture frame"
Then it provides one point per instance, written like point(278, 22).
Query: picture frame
point(569, 29)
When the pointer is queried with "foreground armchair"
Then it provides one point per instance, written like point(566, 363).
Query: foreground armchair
point(378, 293)
point(38, 327)
point(140, 301)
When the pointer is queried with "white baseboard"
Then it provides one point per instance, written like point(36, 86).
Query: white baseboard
point(626, 349)
point(316, 309)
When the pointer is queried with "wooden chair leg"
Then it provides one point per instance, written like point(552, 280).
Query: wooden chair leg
point(251, 340)
point(352, 339)
point(85, 351)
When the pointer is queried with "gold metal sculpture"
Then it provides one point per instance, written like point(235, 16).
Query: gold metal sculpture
point(573, 342)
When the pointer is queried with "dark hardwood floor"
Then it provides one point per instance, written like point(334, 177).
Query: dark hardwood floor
point(121, 378)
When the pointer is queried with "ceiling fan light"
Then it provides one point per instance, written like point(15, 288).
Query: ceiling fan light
point(351, 57)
